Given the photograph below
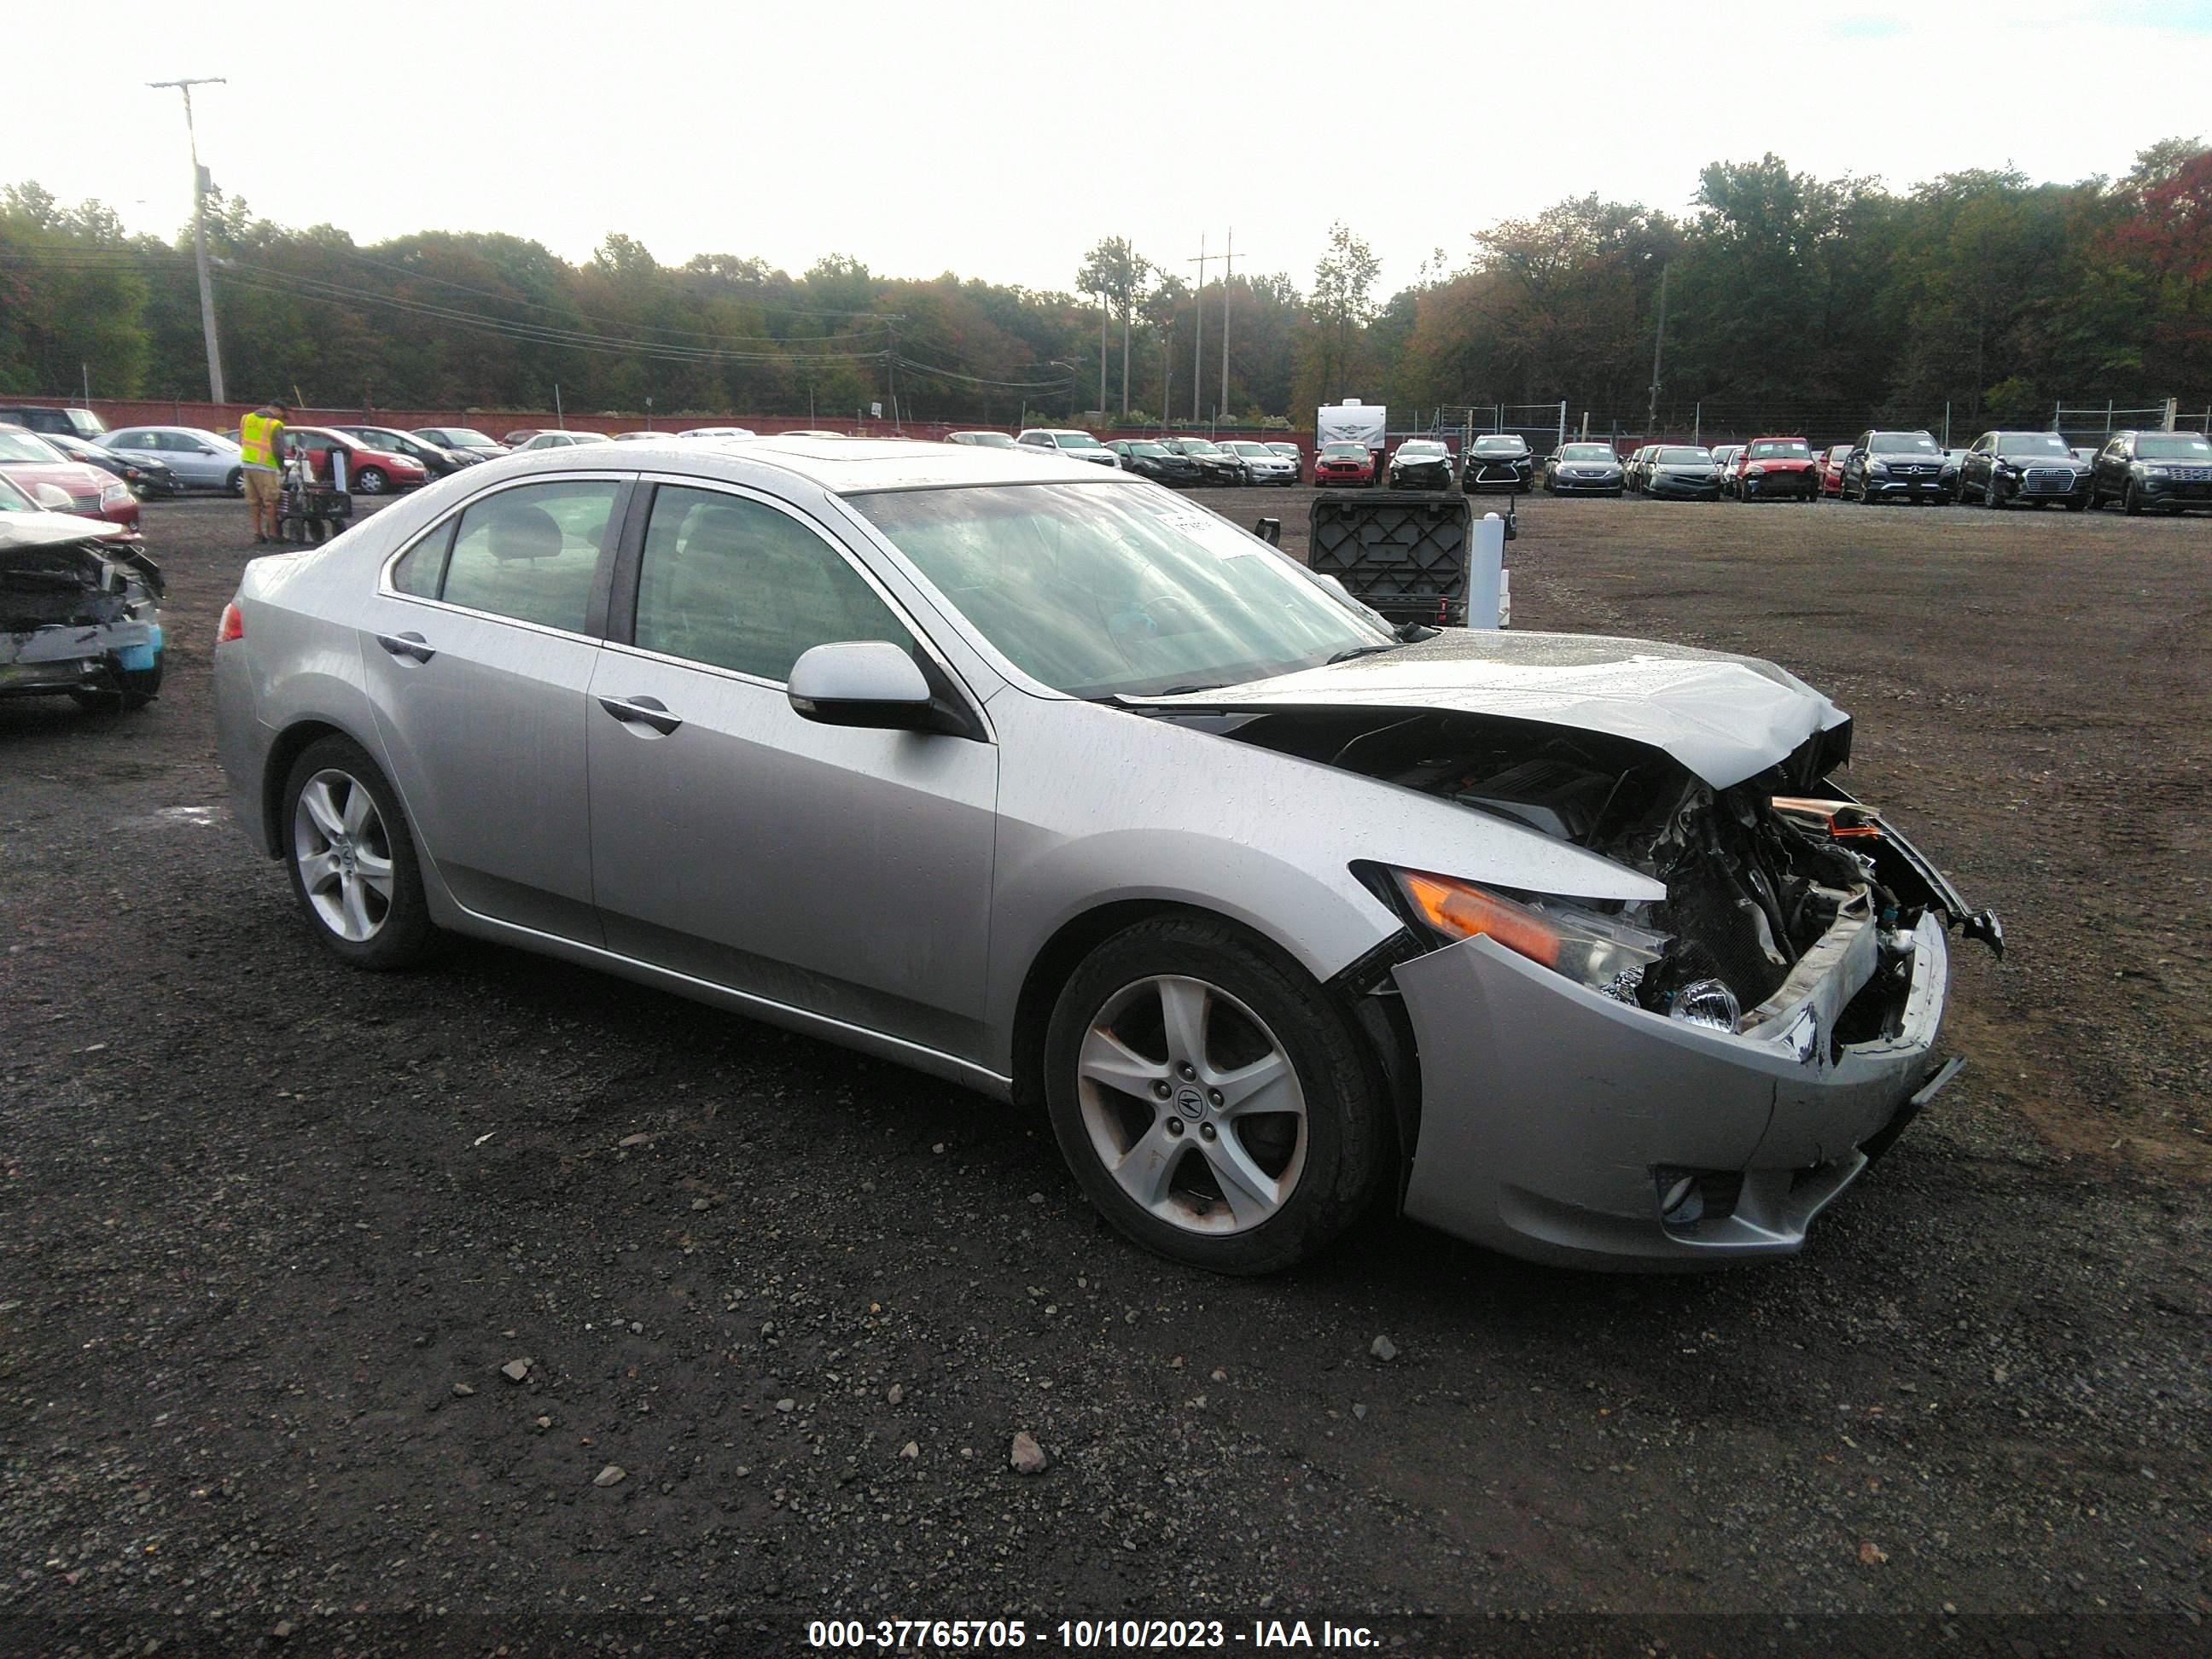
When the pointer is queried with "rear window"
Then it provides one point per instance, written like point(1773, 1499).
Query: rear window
point(529, 553)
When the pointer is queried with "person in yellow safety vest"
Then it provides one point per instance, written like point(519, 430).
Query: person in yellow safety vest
point(261, 438)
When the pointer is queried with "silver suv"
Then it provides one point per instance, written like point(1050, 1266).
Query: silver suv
point(1076, 445)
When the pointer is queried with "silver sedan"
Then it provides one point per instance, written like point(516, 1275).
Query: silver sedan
point(1042, 779)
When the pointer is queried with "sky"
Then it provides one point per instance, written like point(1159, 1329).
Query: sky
point(1002, 141)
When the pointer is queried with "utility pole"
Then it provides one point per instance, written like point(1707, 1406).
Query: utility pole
point(199, 229)
point(1227, 259)
point(1198, 315)
point(1652, 419)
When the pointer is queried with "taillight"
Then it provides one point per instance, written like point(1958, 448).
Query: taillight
point(232, 626)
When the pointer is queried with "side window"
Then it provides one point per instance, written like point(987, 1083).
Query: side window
point(736, 584)
point(422, 566)
point(530, 553)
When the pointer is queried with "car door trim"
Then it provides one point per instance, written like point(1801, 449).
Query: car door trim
point(864, 1038)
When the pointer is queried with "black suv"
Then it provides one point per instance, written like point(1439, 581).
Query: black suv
point(1500, 461)
point(70, 423)
point(1893, 466)
point(2032, 467)
point(2170, 471)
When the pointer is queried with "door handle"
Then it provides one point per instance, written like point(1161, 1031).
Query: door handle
point(406, 645)
point(641, 711)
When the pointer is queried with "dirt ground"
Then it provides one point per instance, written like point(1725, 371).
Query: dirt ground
point(271, 1229)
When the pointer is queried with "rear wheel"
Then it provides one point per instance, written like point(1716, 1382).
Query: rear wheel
point(371, 481)
point(235, 483)
point(1211, 1100)
point(352, 859)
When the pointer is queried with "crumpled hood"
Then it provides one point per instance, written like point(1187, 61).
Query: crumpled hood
point(1725, 718)
point(24, 530)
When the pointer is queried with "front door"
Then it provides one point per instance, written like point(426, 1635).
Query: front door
point(479, 649)
point(846, 873)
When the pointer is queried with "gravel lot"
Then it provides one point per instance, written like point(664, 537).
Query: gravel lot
point(271, 1230)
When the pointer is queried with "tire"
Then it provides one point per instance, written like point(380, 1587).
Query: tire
point(350, 822)
point(1990, 499)
point(2130, 503)
point(1299, 1176)
point(371, 481)
point(2077, 503)
point(235, 483)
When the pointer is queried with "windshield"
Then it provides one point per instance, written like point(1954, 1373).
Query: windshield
point(2034, 443)
point(2173, 447)
point(1902, 443)
point(1781, 449)
point(1357, 451)
point(462, 437)
point(1587, 452)
point(1421, 446)
point(17, 445)
point(1146, 449)
point(1259, 450)
point(13, 500)
point(1198, 446)
point(1499, 447)
point(1076, 441)
point(1681, 457)
point(1099, 589)
point(989, 439)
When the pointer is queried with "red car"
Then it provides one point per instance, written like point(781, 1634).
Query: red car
point(1343, 464)
point(29, 461)
point(1832, 471)
point(369, 470)
point(1771, 469)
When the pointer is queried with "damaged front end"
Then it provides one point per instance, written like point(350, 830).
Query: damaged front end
point(1685, 1078)
point(80, 613)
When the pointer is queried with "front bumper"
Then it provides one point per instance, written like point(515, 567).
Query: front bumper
point(1342, 475)
point(2168, 492)
point(1421, 477)
point(1682, 488)
point(1561, 484)
point(1554, 1119)
point(1919, 487)
point(1780, 486)
point(79, 657)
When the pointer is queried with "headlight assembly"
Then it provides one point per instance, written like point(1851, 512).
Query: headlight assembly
point(1601, 951)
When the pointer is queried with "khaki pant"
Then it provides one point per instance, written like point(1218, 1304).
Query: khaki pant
point(262, 486)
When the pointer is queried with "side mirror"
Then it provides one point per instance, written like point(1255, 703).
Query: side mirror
point(52, 497)
point(866, 682)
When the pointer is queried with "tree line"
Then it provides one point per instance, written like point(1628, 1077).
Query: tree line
point(1978, 290)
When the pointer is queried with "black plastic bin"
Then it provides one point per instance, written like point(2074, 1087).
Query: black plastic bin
point(1401, 552)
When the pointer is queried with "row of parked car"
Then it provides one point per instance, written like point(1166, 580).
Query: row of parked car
point(1170, 460)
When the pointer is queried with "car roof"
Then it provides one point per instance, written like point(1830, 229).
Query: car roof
point(848, 466)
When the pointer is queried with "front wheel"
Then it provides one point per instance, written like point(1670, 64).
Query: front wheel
point(352, 859)
point(2130, 503)
point(371, 481)
point(1212, 1102)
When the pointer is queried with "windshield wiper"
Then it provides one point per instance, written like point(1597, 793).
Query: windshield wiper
point(1184, 691)
point(1363, 651)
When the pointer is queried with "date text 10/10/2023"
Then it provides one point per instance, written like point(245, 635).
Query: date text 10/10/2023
point(1080, 1635)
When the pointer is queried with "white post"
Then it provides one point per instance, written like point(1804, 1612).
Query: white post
point(2173, 412)
point(1227, 259)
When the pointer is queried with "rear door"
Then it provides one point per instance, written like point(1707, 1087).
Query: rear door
point(479, 647)
point(843, 872)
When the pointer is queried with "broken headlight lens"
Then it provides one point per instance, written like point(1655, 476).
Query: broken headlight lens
point(1603, 952)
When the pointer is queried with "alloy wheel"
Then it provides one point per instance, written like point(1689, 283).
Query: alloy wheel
point(343, 852)
point(1192, 1105)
